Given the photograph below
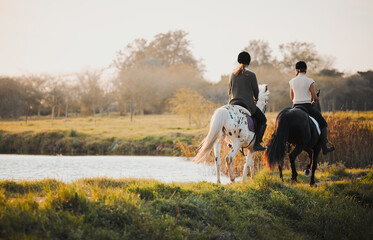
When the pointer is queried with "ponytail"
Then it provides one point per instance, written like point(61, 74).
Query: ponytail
point(240, 70)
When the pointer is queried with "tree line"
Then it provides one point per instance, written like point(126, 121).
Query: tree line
point(150, 75)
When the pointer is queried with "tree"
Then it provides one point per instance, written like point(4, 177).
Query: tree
point(299, 51)
point(261, 53)
point(132, 54)
point(172, 48)
point(29, 96)
point(54, 95)
point(190, 103)
point(331, 73)
point(90, 90)
point(149, 72)
point(11, 98)
point(38, 83)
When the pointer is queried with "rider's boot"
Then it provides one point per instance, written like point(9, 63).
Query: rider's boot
point(258, 139)
point(324, 141)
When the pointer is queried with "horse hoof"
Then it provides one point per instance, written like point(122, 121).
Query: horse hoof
point(313, 184)
point(307, 173)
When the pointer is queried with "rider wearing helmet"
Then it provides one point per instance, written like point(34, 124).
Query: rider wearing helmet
point(243, 91)
point(302, 89)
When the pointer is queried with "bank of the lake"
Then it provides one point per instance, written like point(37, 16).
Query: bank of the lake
point(265, 208)
point(72, 142)
point(156, 135)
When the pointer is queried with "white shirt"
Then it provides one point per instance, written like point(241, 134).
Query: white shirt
point(301, 89)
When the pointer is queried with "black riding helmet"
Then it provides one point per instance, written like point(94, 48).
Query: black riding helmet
point(244, 58)
point(301, 66)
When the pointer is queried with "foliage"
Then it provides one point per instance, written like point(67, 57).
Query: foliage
point(150, 72)
point(260, 52)
point(191, 104)
point(299, 51)
point(11, 104)
point(265, 208)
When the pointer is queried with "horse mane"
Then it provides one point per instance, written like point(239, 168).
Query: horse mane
point(262, 97)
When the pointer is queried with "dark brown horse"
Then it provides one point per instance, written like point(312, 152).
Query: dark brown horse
point(294, 126)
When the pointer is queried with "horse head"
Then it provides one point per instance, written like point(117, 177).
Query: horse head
point(263, 97)
point(317, 105)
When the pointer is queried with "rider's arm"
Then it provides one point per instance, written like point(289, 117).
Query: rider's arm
point(291, 94)
point(313, 93)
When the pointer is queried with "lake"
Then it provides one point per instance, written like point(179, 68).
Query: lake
point(70, 168)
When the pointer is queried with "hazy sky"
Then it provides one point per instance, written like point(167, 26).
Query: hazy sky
point(50, 36)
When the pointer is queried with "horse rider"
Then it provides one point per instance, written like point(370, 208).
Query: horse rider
point(243, 91)
point(302, 89)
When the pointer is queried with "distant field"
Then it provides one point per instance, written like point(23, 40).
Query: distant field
point(119, 127)
point(142, 125)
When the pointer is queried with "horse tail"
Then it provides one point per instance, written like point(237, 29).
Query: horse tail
point(275, 153)
point(216, 126)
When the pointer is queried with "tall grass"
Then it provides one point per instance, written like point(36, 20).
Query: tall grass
point(265, 208)
point(350, 132)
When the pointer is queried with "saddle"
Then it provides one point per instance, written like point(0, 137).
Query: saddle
point(252, 122)
point(311, 118)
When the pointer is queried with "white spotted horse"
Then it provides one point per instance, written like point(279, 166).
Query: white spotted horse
point(294, 126)
point(230, 124)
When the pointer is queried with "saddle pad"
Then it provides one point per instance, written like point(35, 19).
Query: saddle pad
point(316, 124)
point(250, 122)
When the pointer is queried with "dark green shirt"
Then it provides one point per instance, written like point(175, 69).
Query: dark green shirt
point(243, 89)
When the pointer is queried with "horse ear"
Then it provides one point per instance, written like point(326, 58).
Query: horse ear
point(318, 93)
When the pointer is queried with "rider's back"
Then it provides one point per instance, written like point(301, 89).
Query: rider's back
point(301, 88)
point(243, 88)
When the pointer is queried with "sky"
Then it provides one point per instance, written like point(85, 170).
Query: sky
point(67, 36)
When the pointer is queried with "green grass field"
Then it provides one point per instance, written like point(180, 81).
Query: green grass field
point(263, 208)
point(118, 127)
point(142, 125)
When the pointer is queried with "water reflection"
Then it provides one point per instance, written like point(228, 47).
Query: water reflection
point(70, 168)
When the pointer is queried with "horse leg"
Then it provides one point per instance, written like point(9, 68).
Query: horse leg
point(235, 148)
point(292, 156)
point(307, 171)
point(280, 171)
point(217, 147)
point(317, 150)
point(249, 164)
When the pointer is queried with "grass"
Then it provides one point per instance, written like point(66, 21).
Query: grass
point(263, 208)
point(118, 127)
point(145, 135)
